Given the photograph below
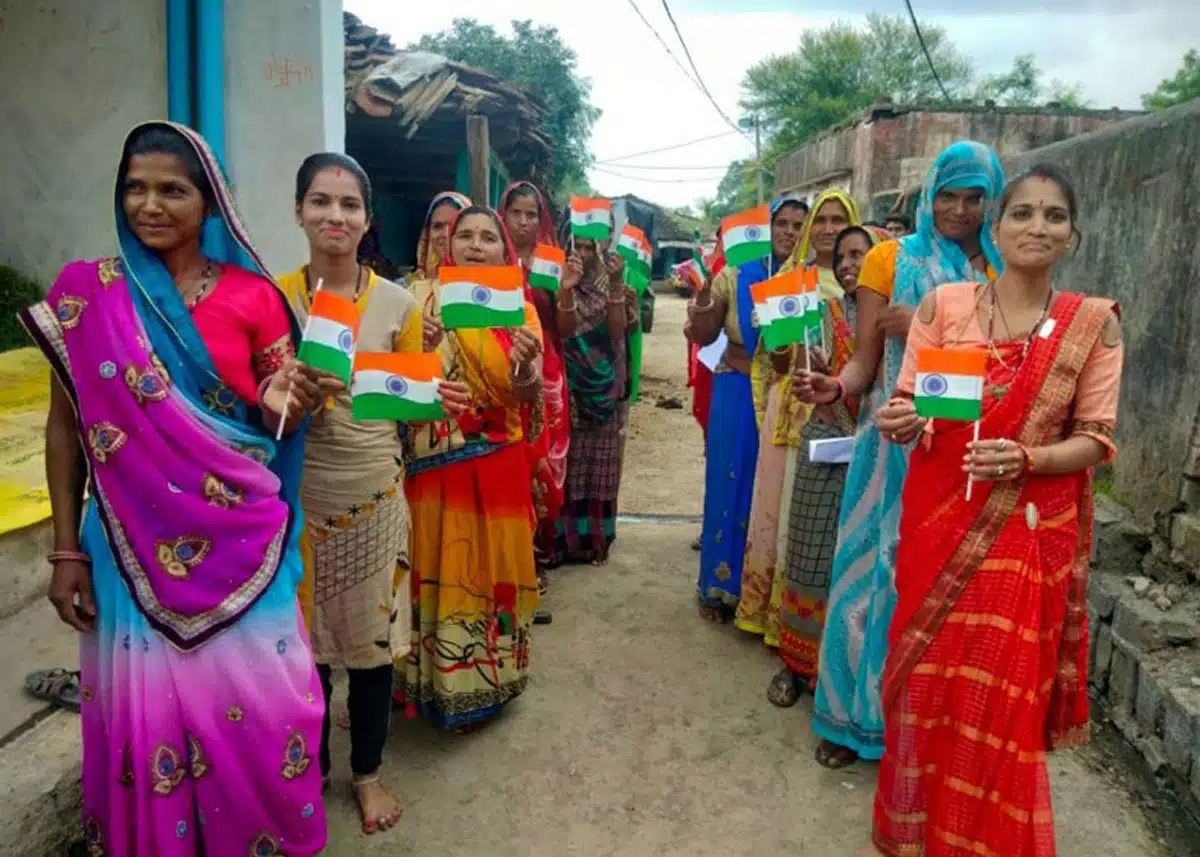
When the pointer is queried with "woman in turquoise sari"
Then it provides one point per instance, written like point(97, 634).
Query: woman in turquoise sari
point(173, 365)
point(952, 243)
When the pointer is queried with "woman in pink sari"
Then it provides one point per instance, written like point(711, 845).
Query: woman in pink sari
point(172, 369)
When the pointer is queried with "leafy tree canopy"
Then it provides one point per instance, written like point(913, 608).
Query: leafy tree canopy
point(1022, 86)
point(1184, 86)
point(537, 58)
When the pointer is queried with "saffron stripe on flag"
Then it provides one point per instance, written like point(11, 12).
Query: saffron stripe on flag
point(945, 361)
point(336, 308)
point(495, 277)
point(757, 216)
point(417, 367)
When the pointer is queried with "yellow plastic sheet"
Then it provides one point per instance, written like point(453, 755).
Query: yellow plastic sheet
point(24, 402)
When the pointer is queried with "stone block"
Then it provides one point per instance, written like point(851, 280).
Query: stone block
point(1150, 629)
point(1123, 676)
point(40, 792)
point(1185, 537)
point(1103, 592)
point(1126, 724)
point(1153, 752)
point(1102, 653)
point(1181, 727)
point(1118, 544)
point(1093, 632)
point(1151, 692)
point(1196, 773)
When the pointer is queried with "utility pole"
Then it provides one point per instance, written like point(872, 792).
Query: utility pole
point(758, 157)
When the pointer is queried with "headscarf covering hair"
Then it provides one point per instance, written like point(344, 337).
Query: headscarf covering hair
point(873, 234)
point(963, 165)
point(545, 233)
point(800, 255)
point(428, 260)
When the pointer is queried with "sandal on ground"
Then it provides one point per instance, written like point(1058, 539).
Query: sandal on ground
point(835, 756)
point(376, 820)
point(784, 690)
point(470, 728)
point(716, 615)
point(57, 686)
point(696, 543)
point(542, 617)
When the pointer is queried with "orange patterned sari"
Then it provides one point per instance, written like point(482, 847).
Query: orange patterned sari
point(989, 638)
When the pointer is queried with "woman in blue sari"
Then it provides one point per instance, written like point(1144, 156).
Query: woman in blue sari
point(952, 243)
point(724, 305)
point(173, 366)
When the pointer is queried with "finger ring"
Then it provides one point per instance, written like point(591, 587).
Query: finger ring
point(1003, 444)
point(1000, 470)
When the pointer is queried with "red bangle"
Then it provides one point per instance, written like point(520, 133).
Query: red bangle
point(841, 390)
point(1029, 464)
point(67, 556)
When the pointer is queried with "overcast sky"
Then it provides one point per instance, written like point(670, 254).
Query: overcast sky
point(648, 103)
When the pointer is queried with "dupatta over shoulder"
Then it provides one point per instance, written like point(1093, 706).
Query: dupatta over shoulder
point(197, 501)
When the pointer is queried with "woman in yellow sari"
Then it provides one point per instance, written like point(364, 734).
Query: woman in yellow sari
point(355, 543)
point(783, 417)
point(474, 582)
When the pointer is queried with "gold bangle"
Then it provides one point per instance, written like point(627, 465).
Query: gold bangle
point(701, 310)
point(572, 308)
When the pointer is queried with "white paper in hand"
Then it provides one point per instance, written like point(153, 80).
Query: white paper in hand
point(834, 450)
point(710, 355)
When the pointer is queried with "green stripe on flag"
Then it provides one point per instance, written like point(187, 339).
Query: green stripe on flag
point(591, 231)
point(543, 281)
point(940, 407)
point(747, 252)
point(463, 316)
point(331, 360)
point(381, 406)
point(637, 279)
point(786, 331)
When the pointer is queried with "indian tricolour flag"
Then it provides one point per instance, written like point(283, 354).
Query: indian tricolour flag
point(633, 246)
point(474, 297)
point(747, 235)
point(330, 334)
point(591, 217)
point(396, 387)
point(788, 308)
point(950, 383)
point(546, 268)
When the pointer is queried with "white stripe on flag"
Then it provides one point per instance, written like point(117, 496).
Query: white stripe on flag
point(937, 385)
point(377, 381)
point(750, 234)
point(480, 295)
point(593, 215)
point(546, 268)
point(782, 306)
point(333, 334)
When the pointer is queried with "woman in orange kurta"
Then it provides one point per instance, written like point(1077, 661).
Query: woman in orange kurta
point(988, 642)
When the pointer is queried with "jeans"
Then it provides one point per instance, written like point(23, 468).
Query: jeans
point(370, 707)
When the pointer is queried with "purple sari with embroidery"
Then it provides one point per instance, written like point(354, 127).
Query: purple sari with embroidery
point(201, 706)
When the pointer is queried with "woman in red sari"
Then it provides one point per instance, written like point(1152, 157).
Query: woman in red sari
point(526, 216)
point(988, 663)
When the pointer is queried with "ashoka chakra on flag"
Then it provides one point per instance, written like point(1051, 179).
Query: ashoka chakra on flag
point(397, 386)
point(789, 306)
point(752, 233)
point(481, 295)
point(933, 385)
point(345, 341)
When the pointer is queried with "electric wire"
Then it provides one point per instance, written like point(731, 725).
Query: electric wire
point(665, 148)
point(924, 49)
point(699, 80)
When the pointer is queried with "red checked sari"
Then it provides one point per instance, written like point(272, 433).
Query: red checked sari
point(989, 638)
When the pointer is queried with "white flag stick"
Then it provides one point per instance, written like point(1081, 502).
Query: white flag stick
point(807, 353)
point(971, 479)
point(287, 400)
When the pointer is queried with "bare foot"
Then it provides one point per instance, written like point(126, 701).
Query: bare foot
point(713, 614)
point(380, 811)
point(835, 756)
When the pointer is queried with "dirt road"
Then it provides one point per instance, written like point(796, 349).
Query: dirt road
point(646, 732)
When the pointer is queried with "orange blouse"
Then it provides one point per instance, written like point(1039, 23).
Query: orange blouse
point(955, 325)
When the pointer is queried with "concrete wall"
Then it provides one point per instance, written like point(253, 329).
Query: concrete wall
point(76, 76)
point(1139, 195)
point(891, 150)
point(285, 100)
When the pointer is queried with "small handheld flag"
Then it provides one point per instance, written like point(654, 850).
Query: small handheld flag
point(788, 307)
point(746, 235)
point(698, 258)
point(591, 218)
point(547, 268)
point(481, 297)
point(330, 335)
point(635, 249)
point(396, 388)
point(950, 383)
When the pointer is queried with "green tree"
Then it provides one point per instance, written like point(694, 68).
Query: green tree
point(841, 69)
point(1184, 86)
point(1022, 86)
point(536, 58)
